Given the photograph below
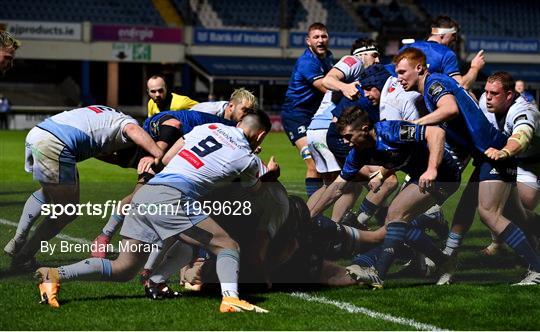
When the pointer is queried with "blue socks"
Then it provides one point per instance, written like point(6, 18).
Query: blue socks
point(515, 238)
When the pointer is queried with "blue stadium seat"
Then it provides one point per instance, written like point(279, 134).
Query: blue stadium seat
point(96, 11)
point(490, 18)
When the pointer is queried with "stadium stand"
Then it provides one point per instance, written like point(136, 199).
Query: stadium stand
point(266, 14)
point(136, 12)
point(338, 20)
point(390, 16)
point(497, 21)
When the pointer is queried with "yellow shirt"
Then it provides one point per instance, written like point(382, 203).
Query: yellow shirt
point(178, 102)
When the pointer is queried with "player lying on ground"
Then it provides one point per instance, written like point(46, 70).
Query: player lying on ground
point(53, 149)
point(301, 252)
point(211, 156)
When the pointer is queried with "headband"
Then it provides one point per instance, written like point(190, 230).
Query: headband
point(365, 49)
point(442, 31)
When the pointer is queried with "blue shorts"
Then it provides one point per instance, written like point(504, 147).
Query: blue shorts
point(295, 123)
point(505, 170)
point(337, 145)
point(447, 181)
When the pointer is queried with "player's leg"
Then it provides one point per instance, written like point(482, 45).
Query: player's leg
point(463, 215)
point(312, 180)
point(209, 234)
point(62, 195)
point(374, 202)
point(30, 214)
point(32, 208)
point(177, 254)
point(122, 269)
point(492, 198)
point(113, 224)
point(346, 201)
point(409, 203)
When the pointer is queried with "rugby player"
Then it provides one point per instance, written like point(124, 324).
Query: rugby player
point(468, 132)
point(342, 81)
point(210, 157)
point(520, 121)
point(304, 95)
point(53, 149)
point(440, 58)
point(241, 99)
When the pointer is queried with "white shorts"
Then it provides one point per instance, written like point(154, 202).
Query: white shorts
point(526, 175)
point(48, 158)
point(325, 162)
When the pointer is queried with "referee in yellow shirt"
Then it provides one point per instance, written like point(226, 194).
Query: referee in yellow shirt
point(162, 100)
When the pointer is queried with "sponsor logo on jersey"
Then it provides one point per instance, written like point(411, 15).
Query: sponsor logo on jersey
point(407, 132)
point(212, 127)
point(350, 61)
point(191, 158)
point(392, 87)
point(435, 89)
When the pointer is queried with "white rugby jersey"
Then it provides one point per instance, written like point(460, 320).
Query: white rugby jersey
point(211, 107)
point(89, 131)
point(214, 155)
point(351, 66)
point(398, 104)
point(520, 113)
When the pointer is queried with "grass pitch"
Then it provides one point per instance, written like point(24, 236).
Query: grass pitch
point(481, 299)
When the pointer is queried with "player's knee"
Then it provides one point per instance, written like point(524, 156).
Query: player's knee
point(394, 214)
point(487, 213)
point(123, 271)
point(226, 242)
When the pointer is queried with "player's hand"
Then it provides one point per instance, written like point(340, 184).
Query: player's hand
point(425, 183)
point(350, 91)
point(272, 165)
point(495, 154)
point(146, 163)
point(375, 184)
point(478, 61)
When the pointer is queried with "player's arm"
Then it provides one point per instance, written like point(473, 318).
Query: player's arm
point(447, 109)
point(273, 171)
point(169, 132)
point(142, 139)
point(468, 79)
point(518, 142)
point(318, 84)
point(173, 151)
point(377, 178)
point(434, 137)
point(334, 81)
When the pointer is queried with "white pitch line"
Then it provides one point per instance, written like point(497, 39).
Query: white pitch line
point(60, 236)
point(373, 314)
